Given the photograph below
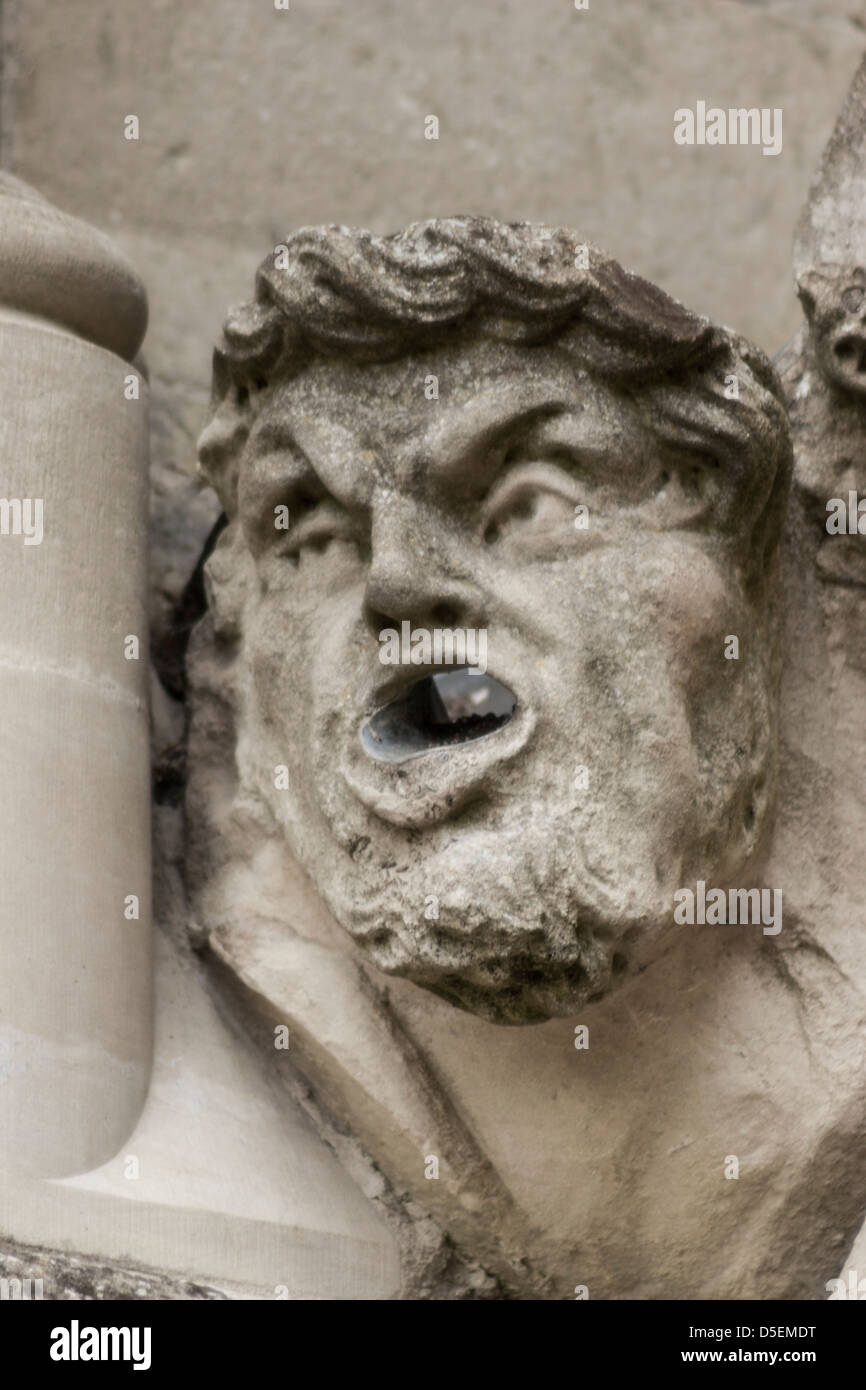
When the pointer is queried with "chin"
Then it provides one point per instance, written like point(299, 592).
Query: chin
point(508, 926)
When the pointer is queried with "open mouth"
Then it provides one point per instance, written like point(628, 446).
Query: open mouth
point(440, 711)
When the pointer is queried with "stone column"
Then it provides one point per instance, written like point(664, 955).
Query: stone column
point(75, 952)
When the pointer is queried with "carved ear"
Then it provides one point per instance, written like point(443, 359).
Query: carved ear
point(220, 446)
point(807, 292)
point(226, 576)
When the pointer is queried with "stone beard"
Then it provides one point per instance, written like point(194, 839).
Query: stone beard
point(517, 874)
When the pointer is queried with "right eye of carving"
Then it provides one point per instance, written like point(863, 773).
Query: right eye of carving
point(314, 523)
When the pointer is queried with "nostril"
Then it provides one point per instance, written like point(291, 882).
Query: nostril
point(850, 352)
point(444, 614)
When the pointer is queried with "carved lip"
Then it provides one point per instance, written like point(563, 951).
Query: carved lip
point(440, 711)
point(420, 756)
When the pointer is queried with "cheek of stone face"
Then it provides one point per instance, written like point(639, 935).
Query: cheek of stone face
point(692, 604)
point(659, 713)
point(304, 675)
point(278, 702)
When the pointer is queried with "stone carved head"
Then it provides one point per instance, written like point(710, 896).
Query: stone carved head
point(492, 428)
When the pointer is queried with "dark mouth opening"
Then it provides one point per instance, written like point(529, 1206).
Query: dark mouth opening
point(450, 708)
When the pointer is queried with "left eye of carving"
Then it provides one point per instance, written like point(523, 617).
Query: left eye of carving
point(852, 299)
point(319, 524)
point(535, 497)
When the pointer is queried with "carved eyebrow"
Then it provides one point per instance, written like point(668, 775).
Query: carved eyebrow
point(274, 436)
point(276, 462)
point(477, 457)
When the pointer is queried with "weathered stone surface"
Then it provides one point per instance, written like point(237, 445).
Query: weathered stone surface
point(505, 1161)
point(558, 388)
point(102, 1156)
point(75, 1277)
point(430, 411)
point(255, 121)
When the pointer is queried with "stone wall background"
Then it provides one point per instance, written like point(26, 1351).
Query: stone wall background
point(255, 121)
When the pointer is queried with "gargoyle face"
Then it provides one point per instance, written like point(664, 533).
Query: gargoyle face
point(834, 298)
point(830, 471)
point(512, 838)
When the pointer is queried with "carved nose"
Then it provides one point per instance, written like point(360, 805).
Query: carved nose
point(417, 589)
point(411, 579)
